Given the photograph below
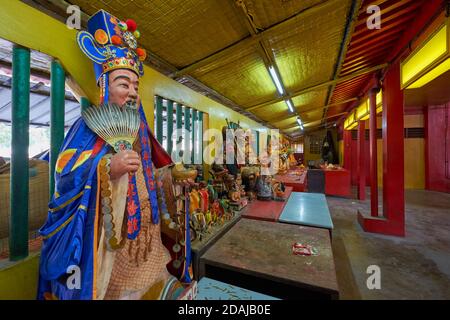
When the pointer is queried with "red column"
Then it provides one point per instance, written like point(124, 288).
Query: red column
point(373, 153)
point(393, 222)
point(347, 149)
point(361, 168)
point(393, 151)
point(427, 150)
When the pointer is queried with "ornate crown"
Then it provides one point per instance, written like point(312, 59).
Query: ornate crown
point(112, 44)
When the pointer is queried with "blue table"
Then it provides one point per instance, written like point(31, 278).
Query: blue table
point(307, 209)
point(210, 289)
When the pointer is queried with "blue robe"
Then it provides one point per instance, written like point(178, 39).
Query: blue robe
point(71, 231)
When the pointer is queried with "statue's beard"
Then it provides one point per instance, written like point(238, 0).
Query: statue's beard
point(131, 105)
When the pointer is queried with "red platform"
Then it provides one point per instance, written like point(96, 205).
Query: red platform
point(266, 210)
point(295, 179)
point(337, 182)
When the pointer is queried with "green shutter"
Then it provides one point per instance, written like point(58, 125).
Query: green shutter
point(187, 127)
point(159, 119)
point(169, 126)
point(194, 135)
point(179, 124)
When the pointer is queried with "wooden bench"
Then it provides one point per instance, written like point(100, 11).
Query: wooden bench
point(266, 210)
point(210, 289)
point(198, 248)
point(307, 209)
point(258, 256)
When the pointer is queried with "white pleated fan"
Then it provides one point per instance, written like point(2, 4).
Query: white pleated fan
point(118, 126)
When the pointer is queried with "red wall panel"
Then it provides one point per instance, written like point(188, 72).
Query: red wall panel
point(353, 163)
point(438, 148)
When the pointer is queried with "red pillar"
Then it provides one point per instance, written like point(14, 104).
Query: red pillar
point(393, 222)
point(347, 149)
point(361, 168)
point(373, 153)
point(427, 150)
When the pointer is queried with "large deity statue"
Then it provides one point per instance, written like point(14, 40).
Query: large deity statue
point(102, 238)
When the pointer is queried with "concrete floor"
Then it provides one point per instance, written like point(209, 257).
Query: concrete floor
point(414, 267)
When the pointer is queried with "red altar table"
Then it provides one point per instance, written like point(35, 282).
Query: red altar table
point(266, 210)
point(337, 182)
point(295, 179)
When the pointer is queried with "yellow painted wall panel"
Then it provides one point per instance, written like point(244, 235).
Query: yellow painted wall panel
point(413, 121)
point(24, 25)
point(380, 162)
point(414, 164)
point(18, 280)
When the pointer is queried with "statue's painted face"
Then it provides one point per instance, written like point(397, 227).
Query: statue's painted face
point(123, 87)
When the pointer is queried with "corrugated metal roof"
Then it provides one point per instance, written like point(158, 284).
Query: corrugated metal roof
point(39, 104)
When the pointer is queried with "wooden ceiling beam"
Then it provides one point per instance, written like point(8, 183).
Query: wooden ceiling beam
point(58, 7)
point(320, 86)
point(394, 7)
point(253, 40)
point(309, 124)
point(304, 112)
point(348, 31)
point(241, 11)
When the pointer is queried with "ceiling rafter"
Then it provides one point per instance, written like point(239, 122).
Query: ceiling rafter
point(309, 124)
point(319, 86)
point(305, 112)
point(397, 13)
point(250, 41)
point(264, 53)
point(153, 60)
point(241, 10)
point(349, 28)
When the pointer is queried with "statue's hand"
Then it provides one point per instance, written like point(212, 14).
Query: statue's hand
point(126, 161)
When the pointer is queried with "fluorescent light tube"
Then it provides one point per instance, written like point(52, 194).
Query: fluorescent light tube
point(275, 79)
point(289, 104)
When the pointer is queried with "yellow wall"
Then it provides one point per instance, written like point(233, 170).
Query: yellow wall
point(321, 134)
point(18, 280)
point(415, 163)
point(30, 28)
point(306, 148)
point(414, 155)
point(26, 26)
